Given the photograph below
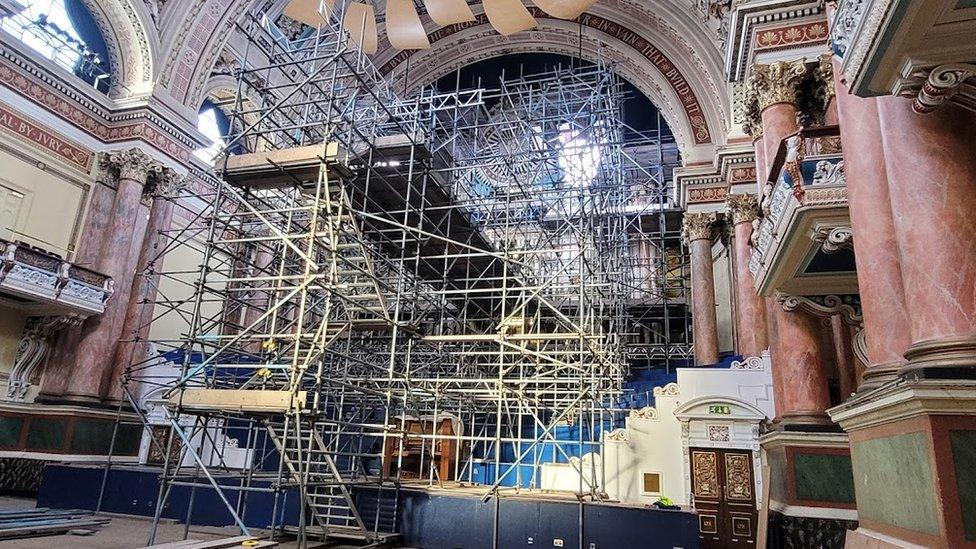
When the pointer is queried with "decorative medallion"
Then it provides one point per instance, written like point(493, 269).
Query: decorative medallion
point(718, 433)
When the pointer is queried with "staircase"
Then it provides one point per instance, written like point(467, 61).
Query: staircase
point(328, 497)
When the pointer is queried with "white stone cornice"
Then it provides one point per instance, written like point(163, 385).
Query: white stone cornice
point(902, 400)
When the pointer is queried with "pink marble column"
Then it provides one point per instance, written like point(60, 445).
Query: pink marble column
point(762, 171)
point(91, 357)
point(931, 168)
point(843, 356)
point(131, 348)
point(799, 376)
point(697, 231)
point(879, 276)
point(750, 316)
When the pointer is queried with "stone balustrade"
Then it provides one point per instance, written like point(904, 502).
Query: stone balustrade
point(49, 283)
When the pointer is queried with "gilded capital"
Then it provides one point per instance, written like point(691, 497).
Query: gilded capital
point(777, 82)
point(824, 76)
point(132, 164)
point(742, 208)
point(698, 226)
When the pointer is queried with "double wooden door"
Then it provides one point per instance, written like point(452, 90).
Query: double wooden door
point(724, 492)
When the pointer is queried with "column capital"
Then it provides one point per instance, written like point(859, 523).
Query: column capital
point(742, 208)
point(698, 226)
point(824, 78)
point(776, 82)
point(168, 183)
point(132, 164)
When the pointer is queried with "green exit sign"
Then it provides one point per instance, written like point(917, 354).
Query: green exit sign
point(722, 409)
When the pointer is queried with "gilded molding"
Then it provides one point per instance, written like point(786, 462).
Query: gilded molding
point(133, 164)
point(743, 208)
point(698, 226)
point(777, 82)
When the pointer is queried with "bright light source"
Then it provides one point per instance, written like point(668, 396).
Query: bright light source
point(207, 124)
point(579, 159)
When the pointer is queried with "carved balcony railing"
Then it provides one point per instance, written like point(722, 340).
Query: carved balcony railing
point(803, 244)
point(43, 283)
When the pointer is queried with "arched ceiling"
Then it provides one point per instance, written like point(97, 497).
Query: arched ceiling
point(662, 47)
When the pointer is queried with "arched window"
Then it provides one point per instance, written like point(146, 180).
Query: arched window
point(65, 32)
point(214, 125)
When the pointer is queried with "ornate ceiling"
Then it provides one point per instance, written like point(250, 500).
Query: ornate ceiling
point(168, 49)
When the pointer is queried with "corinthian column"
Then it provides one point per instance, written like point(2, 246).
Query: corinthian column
point(774, 87)
point(90, 350)
point(697, 231)
point(750, 315)
point(131, 348)
point(931, 169)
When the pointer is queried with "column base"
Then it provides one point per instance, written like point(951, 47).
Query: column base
point(913, 445)
point(879, 374)
point(800, 420)
point(811, 489)
point(952, 358)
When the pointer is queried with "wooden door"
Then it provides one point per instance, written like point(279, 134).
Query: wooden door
point(724, 495)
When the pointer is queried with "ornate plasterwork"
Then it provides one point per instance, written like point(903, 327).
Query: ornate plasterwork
point(742, 208)
point(128, 44)
point(834, 239)
point(943, 83)
point(617, 435)
point(824, 78)
point(133, 164)
point(168, 184)
point(33, 350)
point(846, 20)
point(671, 389)
point(829, 173)
point(848, 306)
point(749, 363)
point(63, 100)
point(777, 82)
point(647, 412)
point(698, 226)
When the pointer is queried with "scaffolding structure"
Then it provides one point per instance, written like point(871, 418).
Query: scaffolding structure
point(372, 261)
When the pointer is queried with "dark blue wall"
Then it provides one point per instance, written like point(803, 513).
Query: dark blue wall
point(428, 519)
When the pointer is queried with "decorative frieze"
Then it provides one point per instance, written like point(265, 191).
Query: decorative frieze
point(698, 226)
point(132, 164)
point(742, 208)
point(777, 82)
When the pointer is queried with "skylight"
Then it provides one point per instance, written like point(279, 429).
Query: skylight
point(47, 28)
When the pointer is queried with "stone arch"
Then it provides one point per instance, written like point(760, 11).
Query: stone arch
point(130, 37)
point(666, 53)
point(224, 88)
point(687, 98)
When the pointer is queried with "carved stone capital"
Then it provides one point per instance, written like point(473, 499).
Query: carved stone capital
point(132, 164)
point(777, 82)
point(942, 83)
point(169, 183)
point(742, 208)
point(698, 226)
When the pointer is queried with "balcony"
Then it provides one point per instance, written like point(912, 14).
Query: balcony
point(44, 284)
point(804, 244)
